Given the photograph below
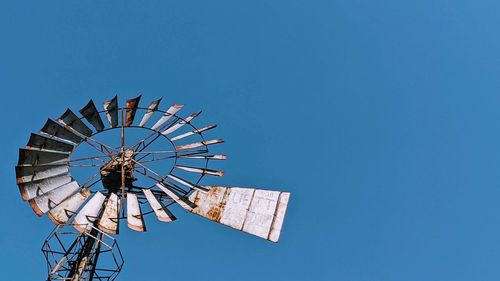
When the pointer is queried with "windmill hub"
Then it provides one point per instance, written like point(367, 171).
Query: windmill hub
point(111, 172)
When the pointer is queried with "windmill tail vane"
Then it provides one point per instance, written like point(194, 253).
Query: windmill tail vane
point(89, 172)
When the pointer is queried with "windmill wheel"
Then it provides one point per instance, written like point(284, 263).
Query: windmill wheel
point(79, 171)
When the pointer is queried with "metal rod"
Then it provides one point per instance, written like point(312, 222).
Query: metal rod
point(123, 162)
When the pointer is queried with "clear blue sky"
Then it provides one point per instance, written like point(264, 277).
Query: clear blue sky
point(381, 117)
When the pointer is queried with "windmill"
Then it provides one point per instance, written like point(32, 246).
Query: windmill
point(129, 168)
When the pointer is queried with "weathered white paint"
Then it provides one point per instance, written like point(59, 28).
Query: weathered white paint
point(198, 144)
point(167, 115)
point(135, 220)
point(62, 212)
point(279, 217)
point(109, 219)
point(49, 200)
point(186, 204)
point(151, 109)
point(162, 213)
point(200, 170)
point(250, 210)
point(33, 189)
point(185, 135)
point(36, 173)
point(88, 214)
point(180, 124)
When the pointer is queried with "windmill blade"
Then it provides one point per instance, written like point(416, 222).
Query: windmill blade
point(30, 190)
point(70, 119)
point(30, 157)
point(187, 183)
point(85, 219)
point(110, 217)
point(131, 105)
point(135, 220)
point(185, 135)
point(91, 113)
point(61, 214)
point(52, 128)
point(45, 143)
point(185, 203)
point(170, 112)
point(180, 124)
point(211, 157)
point(151, 109)
point(49, 200)
point(162, 213)
point(255, 211)
point(111, 108)
point(35, 173)
point(198, 144)
point(200, 170)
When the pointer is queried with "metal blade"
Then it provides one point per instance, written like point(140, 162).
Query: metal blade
point(201, 171)
point(135, 220)
point(91, 113)
point(187, 183)
point(71, 120)
point(85, 219)
point(37, 157)
point(151, 109)
point(255, 211)
point(45, 143)
point(111, 108)
point(170, 112)
point(185, 135)
point(49, 200)
point(53, 128)
point(110, 217)
point(180, 124)
point(61, 214)
point(211, 157)
point(162, 213)
point(131, 105)
point(30, 190)
point(185, 203)
point(198, 144)
point(34, 173)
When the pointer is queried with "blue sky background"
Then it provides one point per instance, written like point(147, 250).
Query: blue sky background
point(381, 117)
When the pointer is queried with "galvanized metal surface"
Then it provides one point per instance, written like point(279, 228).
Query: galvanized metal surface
point(151, 109)
point(91, 113)
point(177, 126)
point(47, 144)
point(162, 213)
point(193, 132)
point(52, 128)
point(29, 157)
point(70, 119)
point(135, 221)
point(198, 144)
point(111, 108)
point(131, 105)
point(61, 214)
point(168, 114)
point(182, 201)
point(30, 190)
point(109, 219)
point(35, 173)
point(86, 217)
point(49, 200)
point(250, 210)
point(200, 170)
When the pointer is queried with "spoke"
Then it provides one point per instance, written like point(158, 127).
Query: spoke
point(89, 158)
point(187, 153)
point(123, 162)
point(163, 179)
point(157, 133)
point(84, 165)
point(90, 179)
